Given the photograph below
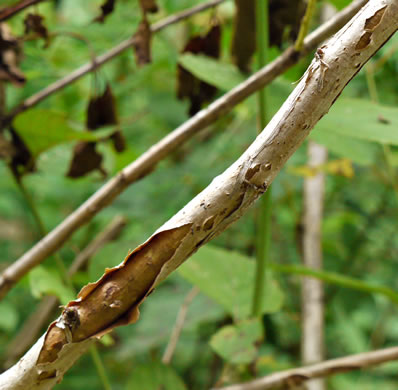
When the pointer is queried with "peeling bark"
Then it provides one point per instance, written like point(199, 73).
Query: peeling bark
point(115, 298)
point(148, 160)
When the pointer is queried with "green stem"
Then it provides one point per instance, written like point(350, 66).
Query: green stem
point(337, 279)
point(305, 25)
point(30, 203)
point(100, 367)
point(263, 234)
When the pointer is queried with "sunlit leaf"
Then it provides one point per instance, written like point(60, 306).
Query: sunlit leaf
point(237, 343)
point(43, 282)
point(42, 129)
point(8, 316)
point(154, 376)
point(228, 278)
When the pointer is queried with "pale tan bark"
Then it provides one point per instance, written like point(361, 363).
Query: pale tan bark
point(291, 379)
point(312, 305)
point(114, 299)
point(312, 290)
point(147, 161)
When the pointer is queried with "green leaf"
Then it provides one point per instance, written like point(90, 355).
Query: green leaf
point(221, 75)
point(228, 278)
point(150, 332)
point(109, 256)
point(338, 279)
point(237, 343)
point(43, 129)
point(359, 151)
point(154, 376)
point(340, 4)
point(362, 119)
point(8, 317)
point(43, 281)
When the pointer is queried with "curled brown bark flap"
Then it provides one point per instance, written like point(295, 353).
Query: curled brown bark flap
point(115, 298)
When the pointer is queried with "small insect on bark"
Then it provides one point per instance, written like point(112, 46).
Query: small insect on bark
point(323, 66)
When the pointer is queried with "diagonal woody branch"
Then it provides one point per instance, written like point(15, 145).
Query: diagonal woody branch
point(147, 161)
point(8, 12)
point(115, 298)
point(294, 377)
point(103, 59)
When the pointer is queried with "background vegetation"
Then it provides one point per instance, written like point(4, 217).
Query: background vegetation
point(218, 344)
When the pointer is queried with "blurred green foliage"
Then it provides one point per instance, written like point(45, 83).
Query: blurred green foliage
point(359, 230)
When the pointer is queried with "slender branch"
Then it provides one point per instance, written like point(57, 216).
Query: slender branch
point(147, 161)
point(33, 325)
point(12, 10)
point(178, 326)
point(296, 376)
point(101, 60)
point(114, 300)
point(263, 218)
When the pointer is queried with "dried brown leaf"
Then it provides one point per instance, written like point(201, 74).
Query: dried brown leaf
point(85, 159)
point(106, 9)
point(142, 43)
point(101, 110)
point(118, 140)
point(149, 6)
point(284, 22)
point(22, 160)
point(34, 23)
point(244, 35)
point(188, 85)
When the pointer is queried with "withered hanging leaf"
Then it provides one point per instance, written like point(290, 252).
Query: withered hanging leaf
point(142, 43)
point(284, 23)
point(10, 55)
point(106, 9)
point(119, 142)
point(284, 20)
point(7, 149)
point(188, 86)
point(85, 159)
point(149, 6)
point(34, 24)
point(244, 35)
point(101, 110)
point(22, 160)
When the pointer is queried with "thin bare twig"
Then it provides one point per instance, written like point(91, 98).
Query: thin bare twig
point(28, 334)
point(296, 376)
point(8, 12)
point(178, 326)
point(101, 60)
point(147, 161)
point(114, 300)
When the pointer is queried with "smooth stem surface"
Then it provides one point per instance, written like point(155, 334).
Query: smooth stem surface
point(305, 25)
point(264, 216)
